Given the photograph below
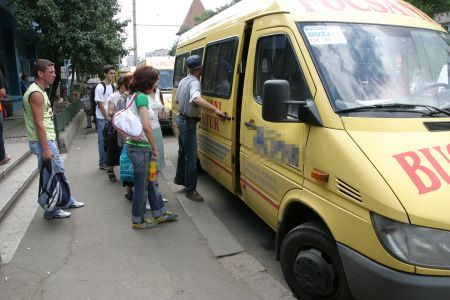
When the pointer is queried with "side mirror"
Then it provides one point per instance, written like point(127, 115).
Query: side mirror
point(275, 95)
point(275, 104)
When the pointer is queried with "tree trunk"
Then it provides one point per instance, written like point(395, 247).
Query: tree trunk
point(72, 81)
point(55, 85)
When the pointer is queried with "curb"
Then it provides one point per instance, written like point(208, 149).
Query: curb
point(66, 136)
point(230, 253)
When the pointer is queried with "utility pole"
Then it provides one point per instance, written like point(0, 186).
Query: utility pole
point(134, 33)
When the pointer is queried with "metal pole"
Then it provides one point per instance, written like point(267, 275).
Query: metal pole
point(134, 33)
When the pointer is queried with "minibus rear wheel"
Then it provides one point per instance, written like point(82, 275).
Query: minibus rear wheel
point(311, 264)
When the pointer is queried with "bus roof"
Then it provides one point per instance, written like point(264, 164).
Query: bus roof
point(389, 12)
point(158, 62)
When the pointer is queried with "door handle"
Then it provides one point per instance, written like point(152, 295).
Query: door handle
point(228, 118)
point(250, 125)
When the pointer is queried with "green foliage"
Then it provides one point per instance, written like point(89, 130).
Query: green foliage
point(210, 13)
point(84, 31)
point(432, 7)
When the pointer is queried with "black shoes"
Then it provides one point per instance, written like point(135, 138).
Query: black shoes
point(178, 181)
point(194, 196)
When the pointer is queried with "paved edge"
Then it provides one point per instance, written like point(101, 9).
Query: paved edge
point(70, 131)
point(246, 269)
point(220, 240)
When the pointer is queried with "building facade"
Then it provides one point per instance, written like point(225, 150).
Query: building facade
point(17, 54)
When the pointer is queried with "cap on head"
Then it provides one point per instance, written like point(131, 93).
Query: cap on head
point(194, 62)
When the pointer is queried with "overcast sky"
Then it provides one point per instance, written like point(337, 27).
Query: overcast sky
point(158, 12)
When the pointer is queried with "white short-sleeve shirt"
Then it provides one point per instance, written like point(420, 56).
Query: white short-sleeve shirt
point(102, 96)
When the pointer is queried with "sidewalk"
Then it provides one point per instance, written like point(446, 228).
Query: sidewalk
point(96, 255)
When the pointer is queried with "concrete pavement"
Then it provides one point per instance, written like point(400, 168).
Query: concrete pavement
point(96, 255)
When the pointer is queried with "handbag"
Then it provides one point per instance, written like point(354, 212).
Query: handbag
point(128, 123)
point(54, 190)
point(126, 167)
point(109, 135)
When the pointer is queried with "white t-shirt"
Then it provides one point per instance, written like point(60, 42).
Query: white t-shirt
point(103, 98)
point(157, 107)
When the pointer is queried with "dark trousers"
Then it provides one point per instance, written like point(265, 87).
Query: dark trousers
point(187, 152)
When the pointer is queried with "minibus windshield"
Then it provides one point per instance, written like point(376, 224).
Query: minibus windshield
point(381, 68)
point(165, 79)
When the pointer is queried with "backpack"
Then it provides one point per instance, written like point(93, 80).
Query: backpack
point(86, 104)
point(92, 96)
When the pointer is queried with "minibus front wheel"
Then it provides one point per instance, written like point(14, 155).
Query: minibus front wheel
point(311, 264)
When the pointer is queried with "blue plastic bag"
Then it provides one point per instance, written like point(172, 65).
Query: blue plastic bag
point(126, 167)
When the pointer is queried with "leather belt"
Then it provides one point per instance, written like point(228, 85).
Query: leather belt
point(196, 119)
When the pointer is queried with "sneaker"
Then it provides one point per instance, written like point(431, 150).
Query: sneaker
point(60, 215)
point(194, 196)
point(103, 167)
point(144, 225)
point(165, 200)
point(76, 204)
point(178, 181)
point(168, 216)
point(151, 222)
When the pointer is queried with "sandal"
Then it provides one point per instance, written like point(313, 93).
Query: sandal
point(6, 159)
point(112, 177)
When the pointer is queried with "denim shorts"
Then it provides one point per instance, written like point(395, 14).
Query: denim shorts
point(36, 149)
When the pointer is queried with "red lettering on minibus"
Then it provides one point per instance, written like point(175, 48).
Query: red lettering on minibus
point(395, 8)
point(306, 5)
point(415, 11)
point(339, 3)
point(375, 6)
point(350, 2)
point(413, 168)
point(426, 152)
point(216, 123)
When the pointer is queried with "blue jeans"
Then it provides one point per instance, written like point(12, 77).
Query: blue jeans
point(2, 141)
point(187, 153)
point(36, 148)
point(101, 146)
point(140, 158)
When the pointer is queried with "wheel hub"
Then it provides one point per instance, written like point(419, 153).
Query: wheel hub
point(314, 274)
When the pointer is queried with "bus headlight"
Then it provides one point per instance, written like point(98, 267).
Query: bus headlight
point(416, 245)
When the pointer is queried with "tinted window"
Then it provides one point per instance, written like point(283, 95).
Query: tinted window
point(180, 69)
point(276, 60)
point(218, 71)
point(198, 52)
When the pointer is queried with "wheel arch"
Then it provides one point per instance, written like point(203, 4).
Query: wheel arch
point(292, 213)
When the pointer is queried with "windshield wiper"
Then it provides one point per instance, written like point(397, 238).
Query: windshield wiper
point(397, 107)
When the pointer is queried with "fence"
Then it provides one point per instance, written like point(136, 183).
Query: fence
point(63, 118)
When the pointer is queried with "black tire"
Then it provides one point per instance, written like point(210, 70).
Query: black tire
point(311, 264)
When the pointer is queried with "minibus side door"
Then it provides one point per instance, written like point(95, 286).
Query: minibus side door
point(272, 154)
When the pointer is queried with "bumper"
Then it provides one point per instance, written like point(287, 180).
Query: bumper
point(369, 280)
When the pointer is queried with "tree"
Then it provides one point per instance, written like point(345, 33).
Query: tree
point(432, 7)
point(84, 31)
point(210, 13)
